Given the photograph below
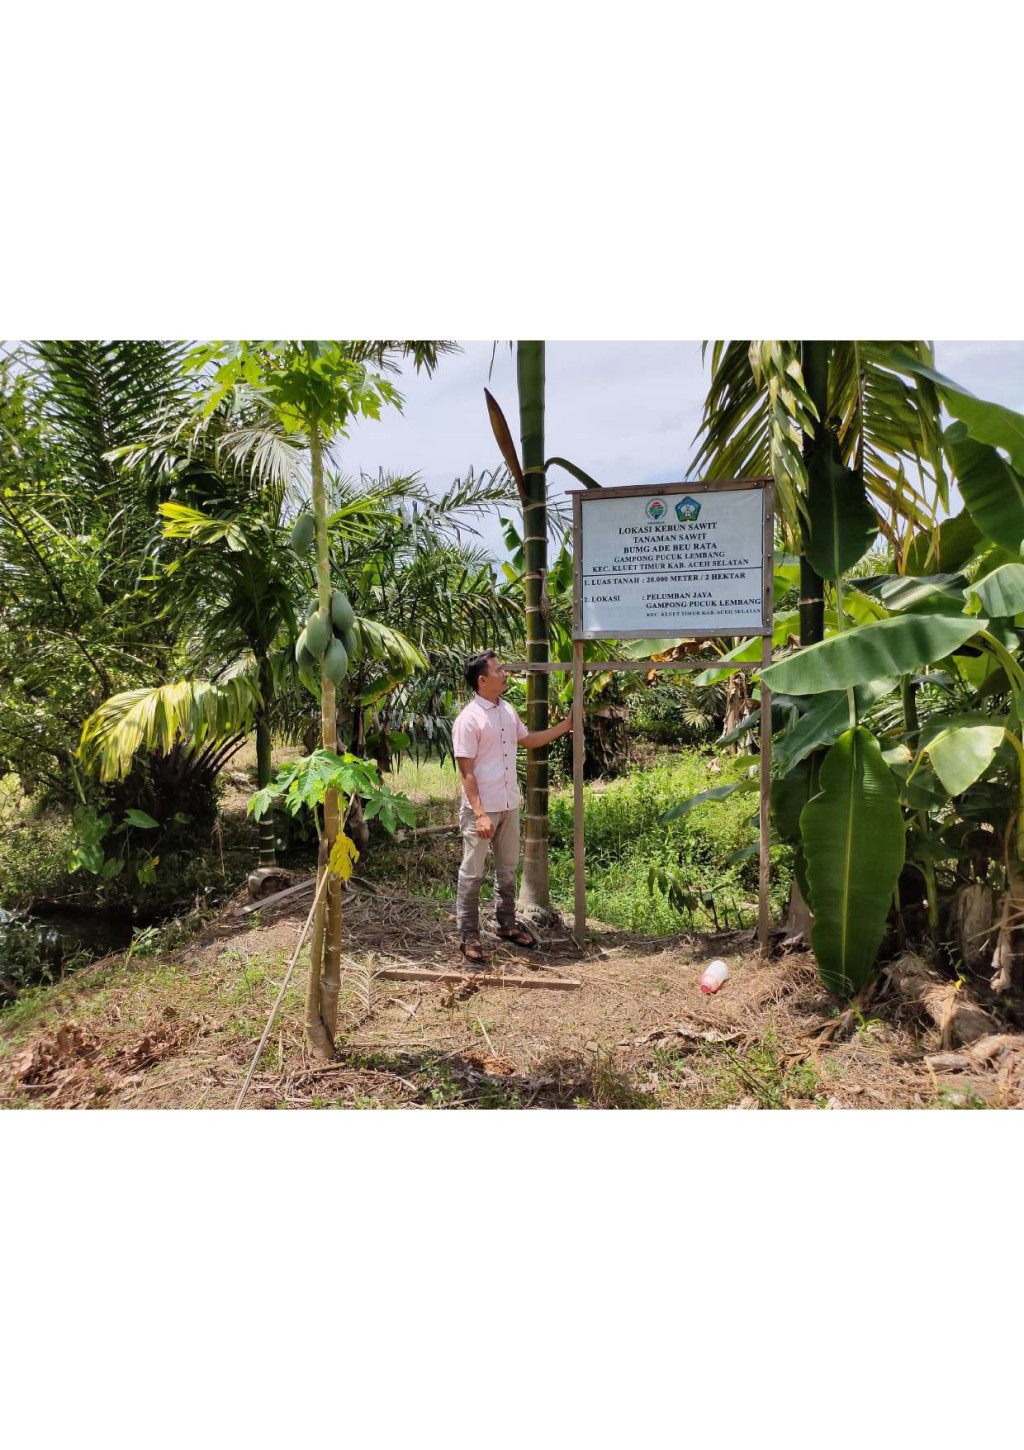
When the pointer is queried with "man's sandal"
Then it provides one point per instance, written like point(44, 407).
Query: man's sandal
point(473, 951)
point(519, 936)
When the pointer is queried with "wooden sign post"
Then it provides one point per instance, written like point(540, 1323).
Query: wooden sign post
point(677, 561)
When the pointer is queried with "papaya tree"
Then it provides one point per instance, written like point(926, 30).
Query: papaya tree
point(315, 390)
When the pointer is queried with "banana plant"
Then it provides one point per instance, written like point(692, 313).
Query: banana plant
point(899, 753)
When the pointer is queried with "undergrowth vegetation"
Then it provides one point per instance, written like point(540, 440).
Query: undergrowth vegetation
point(625, 840)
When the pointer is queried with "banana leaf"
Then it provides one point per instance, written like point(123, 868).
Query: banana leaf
point(987, 803)
point(1000, 594)
point(825, 719)
point(842, 525)
point(945, 548)
point(872, 652)
point(717, 793)
point(962, 748)
point(790, 793)
point(783, 625)
point(904, 594)
point(987, 422)
point(991, 489)
point(853, 839)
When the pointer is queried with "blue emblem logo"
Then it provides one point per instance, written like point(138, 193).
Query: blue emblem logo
point(687, 509)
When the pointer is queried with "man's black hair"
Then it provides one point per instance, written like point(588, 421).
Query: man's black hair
point(476, 666)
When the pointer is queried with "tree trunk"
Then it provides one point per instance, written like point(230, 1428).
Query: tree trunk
point(606, 742)
point(265, 763)
point(812, 593)
point(958, 1022)
point(1006, 959)
point(535, 895)
point(325, 950)
point(735, 709)
point(973, 914)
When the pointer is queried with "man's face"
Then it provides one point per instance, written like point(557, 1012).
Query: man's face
point(494, 680)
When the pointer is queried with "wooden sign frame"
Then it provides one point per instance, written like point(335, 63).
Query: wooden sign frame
point(579, 668)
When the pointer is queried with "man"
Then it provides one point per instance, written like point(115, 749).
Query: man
point(484, 739)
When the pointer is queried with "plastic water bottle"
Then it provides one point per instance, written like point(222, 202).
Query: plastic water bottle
point(715, 975)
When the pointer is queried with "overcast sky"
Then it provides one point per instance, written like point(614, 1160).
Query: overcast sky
point(626, 412)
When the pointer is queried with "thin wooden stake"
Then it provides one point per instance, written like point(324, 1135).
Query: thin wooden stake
point(578, 848)
point(765, 825)
point(280, 996)
point(764, 817)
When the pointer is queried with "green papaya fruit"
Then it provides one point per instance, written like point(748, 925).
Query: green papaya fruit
point(300, 647)
point(303, 533)
point(318, 634)
point(351, 642)
point(309, 662)
point(336, 662)
point(342, 613)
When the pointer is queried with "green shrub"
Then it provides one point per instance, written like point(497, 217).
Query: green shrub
point(625, 838)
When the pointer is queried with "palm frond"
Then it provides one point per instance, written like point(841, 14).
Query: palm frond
point(99, 396)
point(198, 712)
point(757, 411)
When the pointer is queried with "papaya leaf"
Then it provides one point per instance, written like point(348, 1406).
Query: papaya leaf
point(717, 793)
point(1000, 594)
point(344, 856)
point(875, 651)
point(991, 489)
point(842, 525)
point(853, 840)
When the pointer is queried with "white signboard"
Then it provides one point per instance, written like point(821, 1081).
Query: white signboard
point(670, 561)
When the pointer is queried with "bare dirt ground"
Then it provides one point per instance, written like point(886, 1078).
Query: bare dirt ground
point(179, 1029)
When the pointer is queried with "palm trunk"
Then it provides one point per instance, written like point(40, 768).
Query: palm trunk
point(265, 762)
point(325, 949)
point(812, 592)
point(535, 894)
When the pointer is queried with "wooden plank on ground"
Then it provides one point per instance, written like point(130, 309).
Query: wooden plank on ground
point(480, 979)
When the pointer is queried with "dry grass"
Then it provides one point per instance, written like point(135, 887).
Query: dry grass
point(179, 1029)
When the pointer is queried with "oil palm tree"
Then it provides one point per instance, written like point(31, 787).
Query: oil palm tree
point(78, 622)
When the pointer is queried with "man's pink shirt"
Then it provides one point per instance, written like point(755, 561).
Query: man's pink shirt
point(488, 732)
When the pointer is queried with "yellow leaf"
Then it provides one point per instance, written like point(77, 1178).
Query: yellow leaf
point(343, 857)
